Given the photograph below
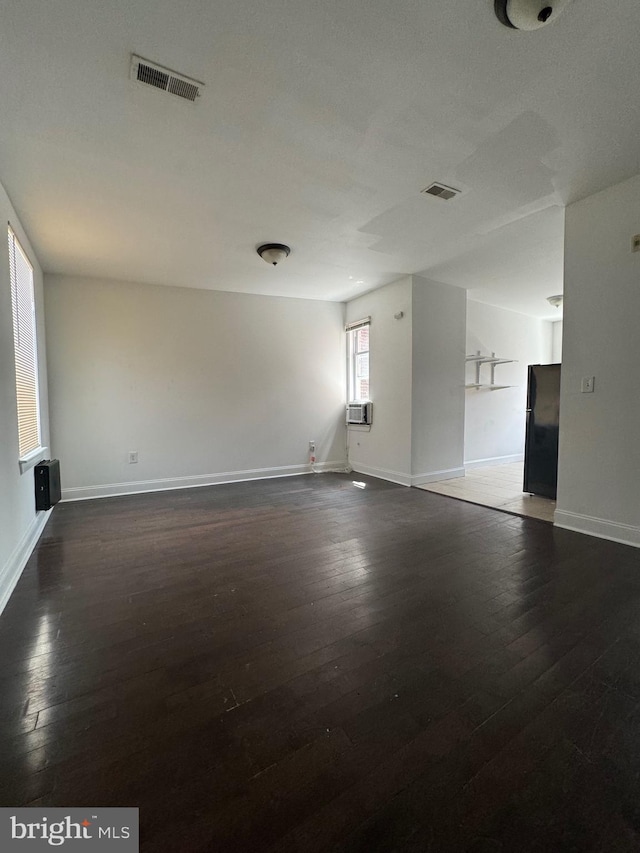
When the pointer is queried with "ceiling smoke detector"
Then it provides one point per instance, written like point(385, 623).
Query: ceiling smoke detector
point(152, 74)
point(528, 14)
point(273, 253)
point(441, 191)
point(556, 301)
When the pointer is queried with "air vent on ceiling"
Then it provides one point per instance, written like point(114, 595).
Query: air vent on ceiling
point(441, 191)
point(155, 75)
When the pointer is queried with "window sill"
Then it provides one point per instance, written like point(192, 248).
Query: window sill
point(31, 459)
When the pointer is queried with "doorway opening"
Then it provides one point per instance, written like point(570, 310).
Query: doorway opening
point(501, 346)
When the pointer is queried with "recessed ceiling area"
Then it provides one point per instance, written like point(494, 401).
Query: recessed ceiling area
point(318, 125)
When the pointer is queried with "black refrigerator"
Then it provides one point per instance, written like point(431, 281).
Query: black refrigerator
point(541, 441)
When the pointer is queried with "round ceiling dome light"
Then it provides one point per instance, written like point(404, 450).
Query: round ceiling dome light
point(273, 253)
point(528, 14)
point(556, 301)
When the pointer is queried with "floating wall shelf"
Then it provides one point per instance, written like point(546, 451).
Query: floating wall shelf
point(479, 360)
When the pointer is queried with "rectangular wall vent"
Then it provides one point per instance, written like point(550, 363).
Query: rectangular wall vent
point(151, 74)
point(441, 191)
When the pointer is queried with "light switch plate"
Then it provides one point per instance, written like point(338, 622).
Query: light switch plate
point(587, 384)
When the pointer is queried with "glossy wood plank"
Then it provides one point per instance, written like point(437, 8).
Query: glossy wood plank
point(304, 665)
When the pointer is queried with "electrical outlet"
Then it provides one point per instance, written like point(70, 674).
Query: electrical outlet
point(587, 384)
point(312, 447)
point(635, 243)
point(133, 457)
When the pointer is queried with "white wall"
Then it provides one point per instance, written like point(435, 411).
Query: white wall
point(494, 429)
point(20, 525)
point(438, 381)
point(599, 464)
point(207, 386)
point(416, 381)
point(385, 450)
point(556, 345)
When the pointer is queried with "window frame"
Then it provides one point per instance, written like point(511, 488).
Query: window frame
point(26, 363)
point(352, 330)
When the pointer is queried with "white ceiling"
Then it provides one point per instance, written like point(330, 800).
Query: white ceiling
point(319, 124)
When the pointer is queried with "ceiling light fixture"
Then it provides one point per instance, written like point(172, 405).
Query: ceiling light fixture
point(556, 301)
point(528, 14)
point(273, 253)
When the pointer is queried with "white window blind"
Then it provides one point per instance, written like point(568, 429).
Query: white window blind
point(25, 343)
point(358, 324)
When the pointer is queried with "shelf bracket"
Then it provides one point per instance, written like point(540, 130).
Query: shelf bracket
point(493, 369)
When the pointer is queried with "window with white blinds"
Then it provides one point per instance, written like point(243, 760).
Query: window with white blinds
point(25, 343)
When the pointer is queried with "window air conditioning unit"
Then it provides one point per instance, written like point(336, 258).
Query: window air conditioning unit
point(359, 413)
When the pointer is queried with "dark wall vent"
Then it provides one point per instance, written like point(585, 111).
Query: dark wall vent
point(151, 74)
point(441, 191)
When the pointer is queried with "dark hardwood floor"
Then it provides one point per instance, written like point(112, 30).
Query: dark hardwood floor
point(306, 665)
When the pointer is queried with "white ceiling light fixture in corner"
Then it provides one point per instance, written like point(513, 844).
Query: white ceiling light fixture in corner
point(556, 301)
point(273, 253)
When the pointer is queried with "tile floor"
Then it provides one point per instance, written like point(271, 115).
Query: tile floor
point(497, 486)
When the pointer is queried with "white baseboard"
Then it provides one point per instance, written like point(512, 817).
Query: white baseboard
point(436, 476)
point(12, 570)
point(382, 474)
point(331, 468)
point(111, 490)
point(493, 460)
point(627, 534)
point(407, 479)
